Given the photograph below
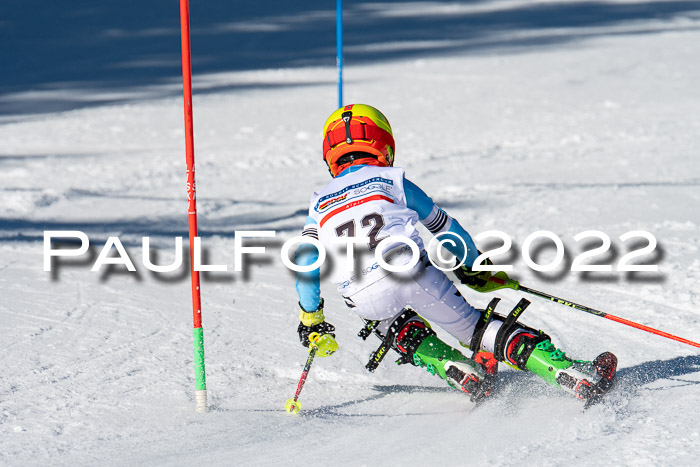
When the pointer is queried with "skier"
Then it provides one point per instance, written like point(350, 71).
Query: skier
point(368, 201)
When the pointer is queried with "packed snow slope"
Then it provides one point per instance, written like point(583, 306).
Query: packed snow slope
point(515, 116)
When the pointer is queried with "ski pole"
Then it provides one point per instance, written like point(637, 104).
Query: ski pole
point(293, 405)
point(515, 285)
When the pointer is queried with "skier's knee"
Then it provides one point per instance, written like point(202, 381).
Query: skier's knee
point(409, 336)
point(518, 346)
point(510, 341)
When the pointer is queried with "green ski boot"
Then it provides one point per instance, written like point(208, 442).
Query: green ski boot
point(586, 380)
point(418, 345)
point(438, 358)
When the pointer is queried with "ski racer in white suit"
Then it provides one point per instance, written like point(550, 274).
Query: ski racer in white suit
point(373, 203)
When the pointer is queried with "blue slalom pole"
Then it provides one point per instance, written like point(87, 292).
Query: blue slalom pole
point(339, 48)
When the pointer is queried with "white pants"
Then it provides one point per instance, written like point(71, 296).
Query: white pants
point(429, 292)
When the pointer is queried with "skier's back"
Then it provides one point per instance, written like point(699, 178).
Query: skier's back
point(370, 200)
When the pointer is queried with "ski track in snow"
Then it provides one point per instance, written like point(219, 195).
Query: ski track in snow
point(599, 133)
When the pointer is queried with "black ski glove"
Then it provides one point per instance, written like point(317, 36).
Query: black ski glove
point(321, 328)
point(474, 279)
point(314, 322)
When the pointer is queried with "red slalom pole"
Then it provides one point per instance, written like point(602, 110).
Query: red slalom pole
point(515, 285)
point(198, 332)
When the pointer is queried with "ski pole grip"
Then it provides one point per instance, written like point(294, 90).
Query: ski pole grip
point(313, 337)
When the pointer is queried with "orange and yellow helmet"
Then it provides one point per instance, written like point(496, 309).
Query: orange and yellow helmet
point(357, 133)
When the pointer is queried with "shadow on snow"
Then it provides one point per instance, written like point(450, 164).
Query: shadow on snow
point(628, 379)
point(56, 53)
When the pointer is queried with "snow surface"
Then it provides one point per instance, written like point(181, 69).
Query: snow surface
point(518, 116)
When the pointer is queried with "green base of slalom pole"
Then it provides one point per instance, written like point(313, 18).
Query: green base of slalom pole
point(200, 377)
